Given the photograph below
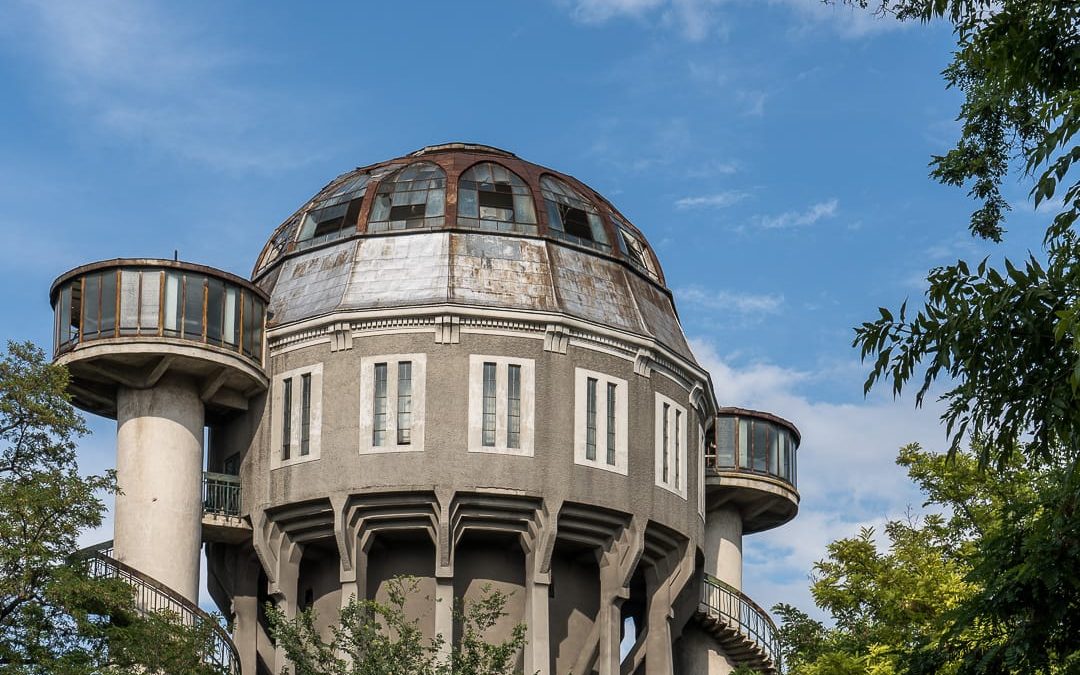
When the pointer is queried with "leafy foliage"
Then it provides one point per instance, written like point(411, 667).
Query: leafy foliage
point(1006, 339)
point(376, 638)
point(54, 619)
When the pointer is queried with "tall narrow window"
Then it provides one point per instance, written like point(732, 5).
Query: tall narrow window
point(678, 425)
point(664, 441)
point(305, 414)
point(404, 403)
point(489, 405)
point(590, 419)
point(378, 436)
point(513, 406)
point(286, 420)
point(611, 392)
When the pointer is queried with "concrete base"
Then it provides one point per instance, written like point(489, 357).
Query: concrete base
point(698, 654)
point(158, 516)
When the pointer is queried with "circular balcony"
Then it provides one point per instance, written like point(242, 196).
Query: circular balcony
point(752, 465)
point(129, 322)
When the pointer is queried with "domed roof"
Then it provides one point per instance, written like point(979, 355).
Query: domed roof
point(471, 225)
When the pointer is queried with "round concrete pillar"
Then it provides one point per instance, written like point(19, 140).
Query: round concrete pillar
point(158, 516)
point(723, 546)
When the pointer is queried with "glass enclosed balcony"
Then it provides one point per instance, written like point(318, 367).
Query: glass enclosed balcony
point(755, 442)
point(159, 299)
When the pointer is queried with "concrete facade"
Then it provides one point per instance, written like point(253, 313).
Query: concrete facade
point(514, 409)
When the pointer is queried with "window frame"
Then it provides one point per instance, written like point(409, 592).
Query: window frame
point(296, 418)
point(476, 404)
point(582, 376)
point(519, 192)
point(418, 385)
point(675, 451)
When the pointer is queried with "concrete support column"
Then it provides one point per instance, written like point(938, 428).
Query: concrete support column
point(658, 641)
point(538, 648)
point(610, 619)
point(245, 608)
point(444, 611)
point(723, 546)
point(285, 593)
point(159, 459)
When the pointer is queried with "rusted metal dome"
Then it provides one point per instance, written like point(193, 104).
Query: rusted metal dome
point(467, 225)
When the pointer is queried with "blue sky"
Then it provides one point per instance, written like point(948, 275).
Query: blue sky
point(774, 152)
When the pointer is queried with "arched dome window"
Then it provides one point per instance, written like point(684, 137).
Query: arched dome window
point(633, 246)
point(334, 215)
point(490, 197)
point(410, 199)
point(572, 216)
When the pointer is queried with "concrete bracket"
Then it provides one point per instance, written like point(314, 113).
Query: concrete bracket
point(447, 330)
point(556, 339)
point(643, 362)
point(341, 337)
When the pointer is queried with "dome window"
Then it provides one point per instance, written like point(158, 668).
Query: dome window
point(635, 249)
point(571, 216)
point(490, 197)
point(331, 217)
point(412, 198)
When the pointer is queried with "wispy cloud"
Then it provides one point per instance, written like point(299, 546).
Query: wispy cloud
point(747, 304)
point(808, 216)
point(717, 200)
point(139, 72)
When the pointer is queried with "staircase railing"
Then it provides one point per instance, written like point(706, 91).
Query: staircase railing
point(221, 494)
point(743, 615)
point(153, 596)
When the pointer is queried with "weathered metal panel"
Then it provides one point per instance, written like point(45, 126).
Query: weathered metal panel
point(593, 288)
point(488, 269)
point(658, 313)
point(312, 284)
point(399, 271)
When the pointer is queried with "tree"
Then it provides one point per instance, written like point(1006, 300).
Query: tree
point(1008, 338)
point(923, 604)
point(376, 638)
point(54, 618)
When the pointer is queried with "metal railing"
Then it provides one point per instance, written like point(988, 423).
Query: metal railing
point(221, 494)
point(153, 596)
point(743, 615)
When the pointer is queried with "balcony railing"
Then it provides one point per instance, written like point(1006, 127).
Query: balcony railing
point(743, 615)
point(221, 494)
point(153, 596)
point(158, 298)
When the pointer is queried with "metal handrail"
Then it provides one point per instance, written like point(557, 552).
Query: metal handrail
point(153, 596)
point(743, 614)
point(221, 494)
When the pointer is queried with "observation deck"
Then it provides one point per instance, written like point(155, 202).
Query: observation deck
point(752, 465)
point(128, 322)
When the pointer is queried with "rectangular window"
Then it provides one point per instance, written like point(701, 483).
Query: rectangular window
point(725, 442)
point(678, 450)
point(760, 446)
point(590, 419)
point(378, 436)
point(305, 414)
point(286, 420)
point(194, 302)
point(404, 403)
point(664, 442)
point(488, 439)
point(612, 388)
point(513, 406)
point(744, 444)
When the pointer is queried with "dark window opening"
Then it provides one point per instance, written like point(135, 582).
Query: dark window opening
point(576, 222)
point(407, 212)
point(496, 197)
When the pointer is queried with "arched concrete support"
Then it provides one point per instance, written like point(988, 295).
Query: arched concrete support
point(158, 516)
point(723, 545)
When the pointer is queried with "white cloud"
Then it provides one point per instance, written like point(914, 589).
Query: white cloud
point(809, 216)
point(731, 301)
point(717, 200)
point(140, 72)
point(847, 472)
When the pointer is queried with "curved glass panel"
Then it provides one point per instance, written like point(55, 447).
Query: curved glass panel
point(491, 197)
point(413, 198)
point(334, 215)
point(158, 302)
point(745, 443)
point(571, 216)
